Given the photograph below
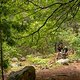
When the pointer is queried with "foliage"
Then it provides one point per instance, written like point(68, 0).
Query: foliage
point(6, 64)
point(76, 44)
point(10, 51)
point(38, 25)
point(24, 19)
point(37, 60)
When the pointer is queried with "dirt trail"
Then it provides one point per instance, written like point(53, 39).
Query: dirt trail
point(69, 72)
point(65, 72)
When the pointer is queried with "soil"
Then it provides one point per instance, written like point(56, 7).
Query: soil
point(66, 72)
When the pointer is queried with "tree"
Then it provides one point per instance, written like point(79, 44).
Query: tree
point(49, 17)
point(34, 19)
point(6, 26)
point(56, 12)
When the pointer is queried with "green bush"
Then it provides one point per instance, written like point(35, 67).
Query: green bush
point(76, 46)
point(6, 64)
point(37, 60)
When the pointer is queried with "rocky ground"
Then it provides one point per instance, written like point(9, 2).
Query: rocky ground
point(51, 71)
point(65, 72)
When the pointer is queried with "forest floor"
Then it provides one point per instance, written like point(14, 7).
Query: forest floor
point(51, 70)
point(66, 72)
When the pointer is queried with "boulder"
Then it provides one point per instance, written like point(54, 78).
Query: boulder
point(27, 73)
point(22, 59)
point(63, 61)
point(16, 64)
point(14, 59)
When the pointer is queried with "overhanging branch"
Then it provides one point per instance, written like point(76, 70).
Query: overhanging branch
point(51, 16)
point(42, 7)
point(42, 25)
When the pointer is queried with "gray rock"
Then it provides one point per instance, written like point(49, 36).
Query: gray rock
point(22, 59)
point(14, 59)
point(62, 61)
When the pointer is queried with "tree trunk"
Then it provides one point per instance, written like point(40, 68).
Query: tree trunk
point(55, 47)
point(1, 54)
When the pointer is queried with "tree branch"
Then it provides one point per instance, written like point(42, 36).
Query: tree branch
point(51, 16)
point(61, 3)
point(66, 16)
point(42, 25)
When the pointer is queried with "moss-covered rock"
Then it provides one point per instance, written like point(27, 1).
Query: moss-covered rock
point(27, 73)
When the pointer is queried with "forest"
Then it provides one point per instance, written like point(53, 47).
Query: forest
point(33, 38)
